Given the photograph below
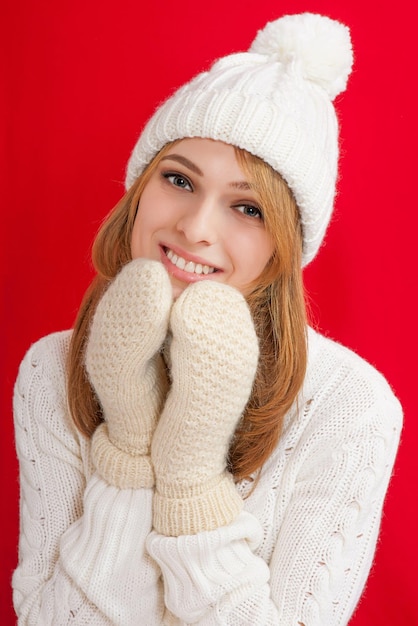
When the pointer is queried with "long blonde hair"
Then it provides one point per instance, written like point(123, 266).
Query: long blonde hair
point(276, 301)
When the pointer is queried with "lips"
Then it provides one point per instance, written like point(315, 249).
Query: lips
point(188, 266)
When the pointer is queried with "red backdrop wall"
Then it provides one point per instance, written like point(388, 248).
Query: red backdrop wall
point(81, 78)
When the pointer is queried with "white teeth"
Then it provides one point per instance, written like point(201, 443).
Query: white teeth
point(188, 266)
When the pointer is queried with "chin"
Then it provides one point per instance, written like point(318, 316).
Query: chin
point(177, 289)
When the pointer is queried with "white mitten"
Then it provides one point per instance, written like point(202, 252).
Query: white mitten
point(127, 371)
point(214, 355)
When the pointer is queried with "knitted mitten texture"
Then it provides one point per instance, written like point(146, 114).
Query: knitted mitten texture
point(127, 371)
point(214, 355)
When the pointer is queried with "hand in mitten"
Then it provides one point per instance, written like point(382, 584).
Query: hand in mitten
point(214, 355)
point(127, 371)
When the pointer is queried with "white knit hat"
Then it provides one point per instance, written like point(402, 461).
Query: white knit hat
point(274, 101)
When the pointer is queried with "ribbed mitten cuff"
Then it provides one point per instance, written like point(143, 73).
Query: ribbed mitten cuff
point(117, 467)
point(193, 509)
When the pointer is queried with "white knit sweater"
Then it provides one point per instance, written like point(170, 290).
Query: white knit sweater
point(299, 553)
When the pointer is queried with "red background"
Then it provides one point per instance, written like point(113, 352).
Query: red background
point(81, 78)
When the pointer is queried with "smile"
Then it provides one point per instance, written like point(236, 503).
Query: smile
point(188, 266)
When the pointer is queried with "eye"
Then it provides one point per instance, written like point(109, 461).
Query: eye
point(178, 180)
point(250, 210)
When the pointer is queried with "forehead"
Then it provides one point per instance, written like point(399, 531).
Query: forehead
point(206, 151)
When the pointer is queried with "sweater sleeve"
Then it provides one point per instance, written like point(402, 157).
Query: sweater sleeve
point(82, 557)
point(305, 562)
point(327, 537)
point(214, 577)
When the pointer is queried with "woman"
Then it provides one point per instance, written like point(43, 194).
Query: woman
point(193, 452)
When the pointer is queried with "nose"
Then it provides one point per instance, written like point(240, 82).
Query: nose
point(199, 222)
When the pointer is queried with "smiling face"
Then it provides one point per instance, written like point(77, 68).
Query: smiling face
point(200, 217)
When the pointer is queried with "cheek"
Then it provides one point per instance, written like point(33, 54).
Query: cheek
point(135, 239)
point(252, 254)
point(140, 236)
point(151, 219)
point(256, 254)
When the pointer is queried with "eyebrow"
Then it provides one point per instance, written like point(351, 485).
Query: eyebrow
point(184, 161)
point(241, 185)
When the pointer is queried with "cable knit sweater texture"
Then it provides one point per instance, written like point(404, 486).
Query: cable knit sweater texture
point(298, 553)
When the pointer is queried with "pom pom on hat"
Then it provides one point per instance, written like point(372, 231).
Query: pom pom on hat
point(321, 46)
point(275, 101)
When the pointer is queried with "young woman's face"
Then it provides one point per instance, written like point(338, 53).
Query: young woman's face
point(200, 218)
